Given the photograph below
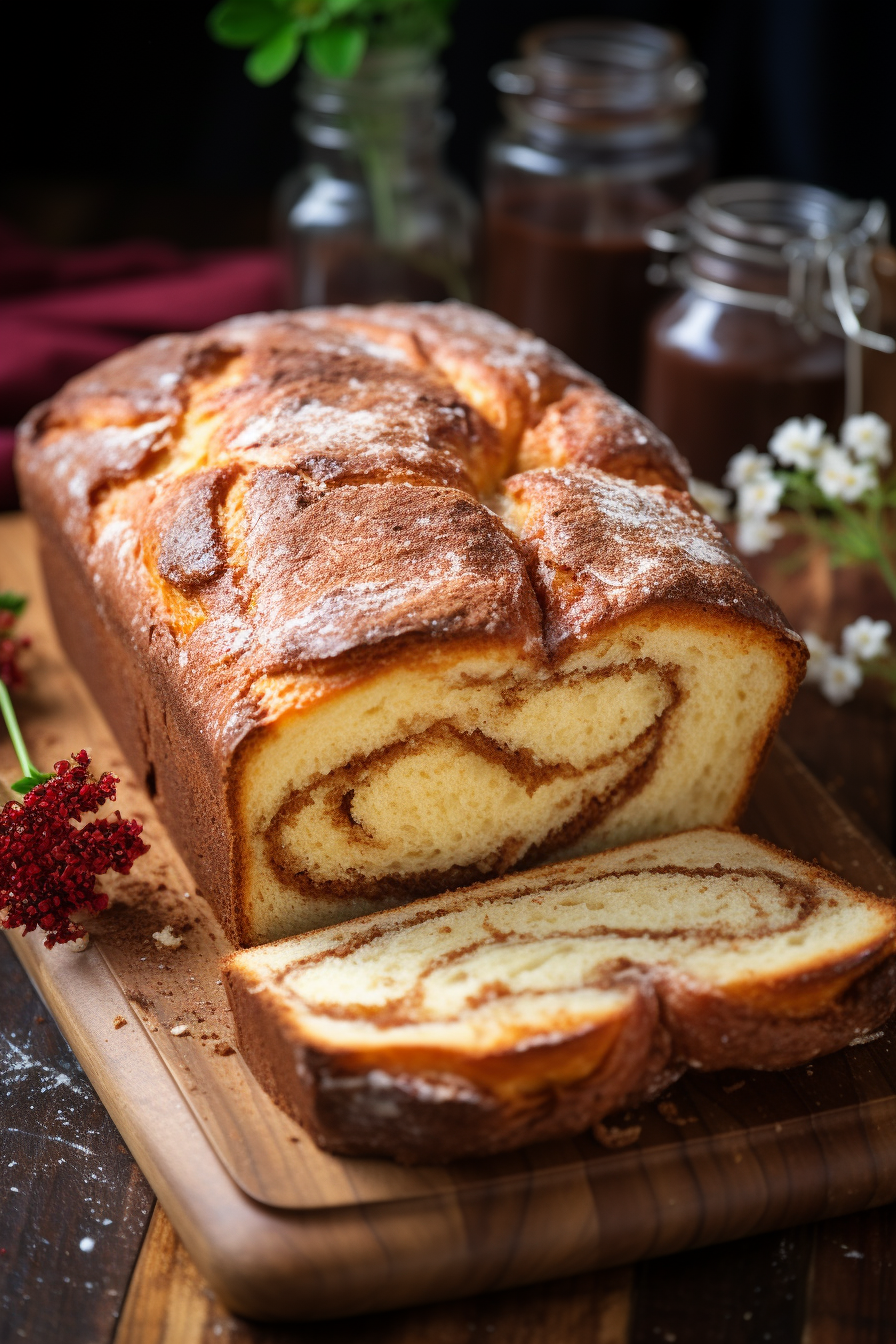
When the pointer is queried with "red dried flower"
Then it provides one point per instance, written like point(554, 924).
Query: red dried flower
point(10, 648)
point(48, 866)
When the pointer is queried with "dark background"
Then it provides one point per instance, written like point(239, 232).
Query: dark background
point(123, 119)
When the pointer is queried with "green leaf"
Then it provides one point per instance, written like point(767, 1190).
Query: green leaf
point(274, 58)
point(339, 7)
point(14, 602)
point(337, 51)
point(29, 782)
point(243, 23)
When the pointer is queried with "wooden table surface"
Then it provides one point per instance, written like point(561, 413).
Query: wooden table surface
point(85, 1258)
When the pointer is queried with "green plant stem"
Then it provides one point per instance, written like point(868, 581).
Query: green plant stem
point(877, 527)
point(380, 170)
point(887, 573)
point(849, 537)
point(30, 772)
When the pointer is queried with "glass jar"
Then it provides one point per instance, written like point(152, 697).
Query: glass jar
point(878, 366)
point(601, 129)
point(774, 275)
point(371, 214)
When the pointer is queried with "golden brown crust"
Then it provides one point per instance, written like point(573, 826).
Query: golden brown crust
point(509, 375)
point(589, 427)
point(303, 494)
point(601, 548)
point(436, 1116)
point(713, 1032)
point(368, 564)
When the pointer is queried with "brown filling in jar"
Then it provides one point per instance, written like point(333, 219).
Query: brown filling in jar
point(755, 337)
point(600, 139)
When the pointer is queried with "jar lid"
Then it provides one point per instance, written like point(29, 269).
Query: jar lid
point(820, 239)
point(583, 72)
point(761, 220)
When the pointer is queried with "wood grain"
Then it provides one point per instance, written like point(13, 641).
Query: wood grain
point(851, 1292)
point(736, 1155)
point(64, 1175)
point(751, 1293)
point(168, 1302)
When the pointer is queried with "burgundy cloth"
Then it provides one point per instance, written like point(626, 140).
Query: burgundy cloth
point(61, 312)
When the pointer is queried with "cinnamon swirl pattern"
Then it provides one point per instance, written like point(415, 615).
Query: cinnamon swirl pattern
point(363, 656)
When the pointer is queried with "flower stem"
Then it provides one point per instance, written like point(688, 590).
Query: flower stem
point(887, 572)
point(878, 537)
point(30, 771)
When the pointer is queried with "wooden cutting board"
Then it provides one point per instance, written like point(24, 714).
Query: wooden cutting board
point(282, 1230)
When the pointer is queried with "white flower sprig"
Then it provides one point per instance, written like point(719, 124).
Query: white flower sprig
point(829, 492)
point(806, 471)
point(800, 443)
point(839, 675)
point(869, 438)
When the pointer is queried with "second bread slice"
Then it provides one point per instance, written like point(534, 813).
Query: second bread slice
point(531, 1006)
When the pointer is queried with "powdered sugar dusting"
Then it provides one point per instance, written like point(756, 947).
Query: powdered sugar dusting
point(365, 564)
point(626, 546)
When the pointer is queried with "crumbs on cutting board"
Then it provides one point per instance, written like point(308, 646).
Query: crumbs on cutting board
point(167, 938)
point(617, 1137)
point(669, 1111)
point(166, 953)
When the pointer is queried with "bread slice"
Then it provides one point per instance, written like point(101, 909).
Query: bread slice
point(530, 1006)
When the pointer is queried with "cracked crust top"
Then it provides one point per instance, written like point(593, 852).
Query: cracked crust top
point(294, 489)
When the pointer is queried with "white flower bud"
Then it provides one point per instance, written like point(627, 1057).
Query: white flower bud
point(866, 639)
point(840, 679)
point(746, 466)
point(711, 499)
point(839, 477)
point(756, 534)
point(819, 653)
point(760, 497)
point(868, 436)
point(799, 443)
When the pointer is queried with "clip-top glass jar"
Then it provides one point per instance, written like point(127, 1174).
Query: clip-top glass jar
point(371, 213)
point(775, 276)
point(601, 130)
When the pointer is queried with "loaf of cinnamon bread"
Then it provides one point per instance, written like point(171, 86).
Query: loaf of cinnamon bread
point(531, 1006)
point(396, 599)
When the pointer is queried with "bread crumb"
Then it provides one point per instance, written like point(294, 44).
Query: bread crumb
point(168, 938)
point(617, 1138)
point(180, 1030)
point(669, 1111)
point(222, 1048)
point(119, 1021)
point(865, 1037)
